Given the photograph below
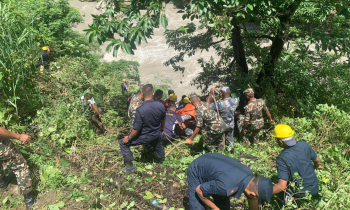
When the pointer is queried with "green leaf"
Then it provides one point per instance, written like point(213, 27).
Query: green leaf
point(56, 206)
point(149, 167)
point(250, 7)
point(51, 129)
point(164, 20)
point(148, 196)
point(5, 200)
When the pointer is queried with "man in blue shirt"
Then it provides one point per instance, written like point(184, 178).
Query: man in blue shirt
point(171, 120)
point(148, 124)
point(226, 107)
point(295, 163)
point(220, 177)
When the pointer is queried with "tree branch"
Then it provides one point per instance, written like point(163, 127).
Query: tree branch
point(258, 37)
point(217, 42)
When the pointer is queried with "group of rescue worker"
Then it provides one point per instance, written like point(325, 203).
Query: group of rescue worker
point(213, 175)
point(154, 122)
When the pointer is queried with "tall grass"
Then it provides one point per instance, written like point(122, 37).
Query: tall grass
point(17, 48)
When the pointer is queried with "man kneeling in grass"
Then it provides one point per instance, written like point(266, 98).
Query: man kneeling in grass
point(220, 177)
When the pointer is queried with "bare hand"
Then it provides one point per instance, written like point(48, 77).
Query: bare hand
point(320, 167)
point(100, 116)
point(272, 122)
point(24, 138)
point(189, 141)
point(125, 140)
point(212, 91)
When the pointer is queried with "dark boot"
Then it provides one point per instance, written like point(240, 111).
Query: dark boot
point(129, 166)
point(6, 180)
point(29, 200)
point(160, 160)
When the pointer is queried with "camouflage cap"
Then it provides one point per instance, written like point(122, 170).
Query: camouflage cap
point(224, 89)
point(249, 92)
point(192, 95)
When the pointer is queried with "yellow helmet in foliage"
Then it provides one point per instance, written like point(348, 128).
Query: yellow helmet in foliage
point(124, 80)
point(44, 48)
point(282, 131)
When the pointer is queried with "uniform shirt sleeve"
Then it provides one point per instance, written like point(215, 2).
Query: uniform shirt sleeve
point(313, 154)
point(212, 106)
point(199, 119)
point(213, 187)
point(235, 104)
point(282, 170)
point(247, 114)
point(163, 113)
point(138, 121)
point(264, 106)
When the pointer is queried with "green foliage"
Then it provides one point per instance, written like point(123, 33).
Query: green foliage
point(311, 79)
point(17, 43)
point(51, 177)
point(241, 33)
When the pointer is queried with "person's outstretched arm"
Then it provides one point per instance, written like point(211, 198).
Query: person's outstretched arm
point(10, 135)
point(206, 200)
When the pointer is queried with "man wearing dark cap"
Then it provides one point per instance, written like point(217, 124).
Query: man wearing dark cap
point(208, 120)
point(296, 158)
point(226, 107)
point(253, 118)
point(220, 177)
point(148, 124)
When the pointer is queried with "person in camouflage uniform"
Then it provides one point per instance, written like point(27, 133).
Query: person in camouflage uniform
point(226, 107)
point(11, 157)
point(210, 121)
point(253, 118)
point(135, 102)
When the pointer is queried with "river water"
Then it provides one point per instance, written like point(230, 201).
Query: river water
point(153, 54)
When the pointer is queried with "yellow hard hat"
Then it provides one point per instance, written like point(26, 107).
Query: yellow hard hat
point(124, 80)
point(186, 100)
point(44, 48)
point(282, 131)
point(173, 97)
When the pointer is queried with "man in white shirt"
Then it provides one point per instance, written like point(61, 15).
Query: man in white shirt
point(89, 105)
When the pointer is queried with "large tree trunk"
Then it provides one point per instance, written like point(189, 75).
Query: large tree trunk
point(239, 54)
point(277, 45)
